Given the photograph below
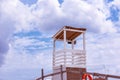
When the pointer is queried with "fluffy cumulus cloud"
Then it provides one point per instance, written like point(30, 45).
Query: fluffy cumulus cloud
point(100, 50)
point(116, 8)
point(6, 31)
point(17, 12)
point(75, 13)
point(14, 16)
point(20, 65)
point(19, 37)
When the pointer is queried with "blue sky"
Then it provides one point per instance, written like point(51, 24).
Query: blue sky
point(27, 26)
point(29, 2)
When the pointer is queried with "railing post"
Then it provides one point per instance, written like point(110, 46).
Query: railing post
point(61, 69)
point(106, 77)
point(42, 74)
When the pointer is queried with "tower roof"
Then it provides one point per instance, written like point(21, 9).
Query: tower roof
point(71, 33)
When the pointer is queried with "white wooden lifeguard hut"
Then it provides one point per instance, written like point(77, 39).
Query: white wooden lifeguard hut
point(70, 64)
point(72, 60)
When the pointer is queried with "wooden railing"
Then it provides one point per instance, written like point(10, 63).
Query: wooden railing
point(52, 74)
point(105, 76)
point(96, 76)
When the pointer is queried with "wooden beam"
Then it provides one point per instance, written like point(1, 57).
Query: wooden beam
point(42, 74)
point(61, 72)
point(52, 74)
point(107, 75)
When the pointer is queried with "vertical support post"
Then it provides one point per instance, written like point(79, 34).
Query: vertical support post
point(61, 71)
point(106, 77)
point(64, 39)
point(72, 52)
point(42, 74)
point(84, 41)
point(84, 50)
point(72, 44)
point(64, 46)
point(54, 48)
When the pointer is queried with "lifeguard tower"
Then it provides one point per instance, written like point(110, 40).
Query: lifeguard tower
point(72, 60)
point(70, 63)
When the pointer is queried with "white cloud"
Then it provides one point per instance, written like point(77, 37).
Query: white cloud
point(19, 13)
point(48, 16)
point(31, 44)
point(22, 64)
point(5, 33)
point(75, 13)
point(103, 50)
point(116, 3)
point(12, 14)
point(91, 16)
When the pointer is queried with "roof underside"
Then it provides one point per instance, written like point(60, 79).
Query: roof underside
point(71, 33)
